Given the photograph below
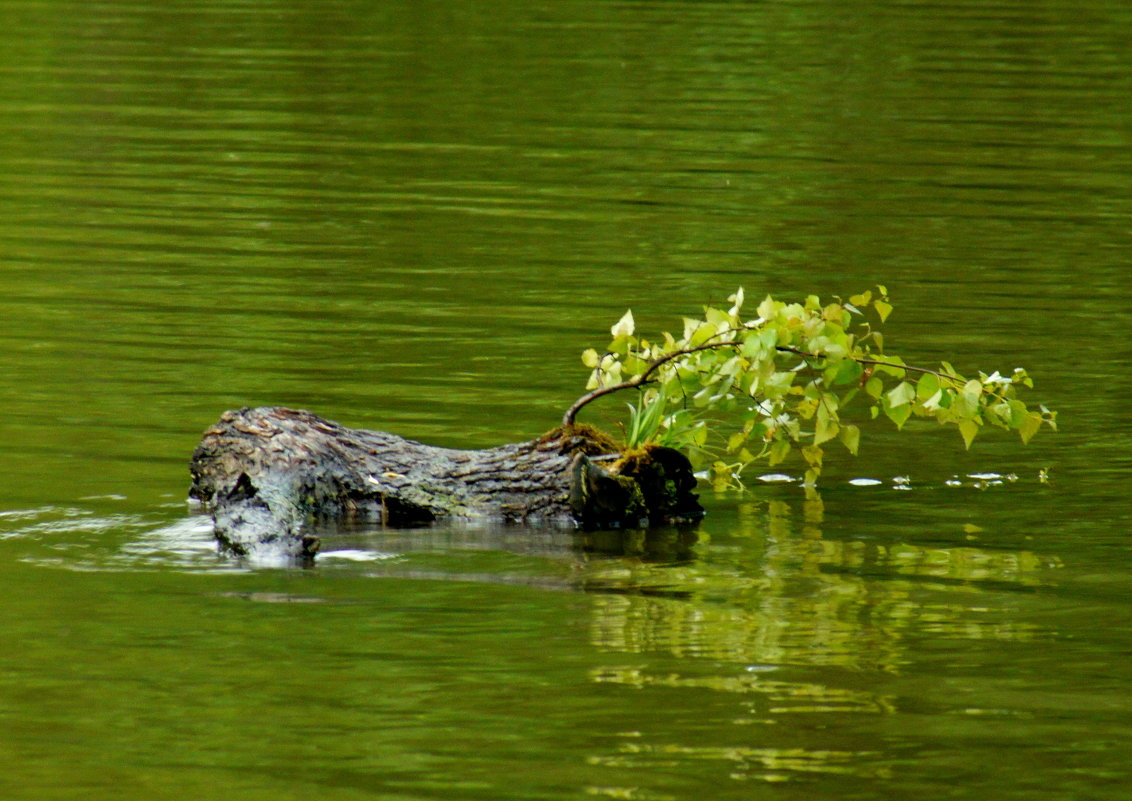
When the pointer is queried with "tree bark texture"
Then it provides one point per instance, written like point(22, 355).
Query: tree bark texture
point(267, 473)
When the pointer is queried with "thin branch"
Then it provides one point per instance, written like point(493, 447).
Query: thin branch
point(638, 381)
point(877, 363)
point(646, 377)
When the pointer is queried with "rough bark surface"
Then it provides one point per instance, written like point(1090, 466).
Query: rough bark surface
point(266, 473)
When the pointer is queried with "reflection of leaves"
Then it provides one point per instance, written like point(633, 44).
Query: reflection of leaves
point(780, 695)
point(795, 597)
point(745, 762)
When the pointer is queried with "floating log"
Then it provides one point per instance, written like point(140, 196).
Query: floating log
point(267, 474)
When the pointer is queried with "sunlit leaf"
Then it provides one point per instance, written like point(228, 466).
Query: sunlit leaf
point(898, 414)
point(717, 317)
point(624, 326)
point(737, 302)
point(813, 455)
point(753, 348)
point(825, 430)
point(702, 334)
point(778, 452)
point(848, 371)
point(927, 386)
point(901, 394)
point(621, 345)
point(969, 429)
point(1029, 426)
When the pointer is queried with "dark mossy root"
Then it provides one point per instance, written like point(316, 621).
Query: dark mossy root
point(650, 486)
point(265, 474)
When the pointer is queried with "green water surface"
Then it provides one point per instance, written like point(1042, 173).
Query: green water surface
point(413, 216)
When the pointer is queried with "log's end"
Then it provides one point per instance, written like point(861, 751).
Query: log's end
point(648, 486)
point(261, 523)
point(667, 482)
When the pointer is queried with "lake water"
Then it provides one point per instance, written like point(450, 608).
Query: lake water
point(413, 217)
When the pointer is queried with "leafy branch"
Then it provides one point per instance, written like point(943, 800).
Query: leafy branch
point(636, 381)
point(722, 381)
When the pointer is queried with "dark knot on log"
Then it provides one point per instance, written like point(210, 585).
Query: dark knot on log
point(265, 474)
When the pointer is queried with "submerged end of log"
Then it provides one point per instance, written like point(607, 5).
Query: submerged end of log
point(266, 474)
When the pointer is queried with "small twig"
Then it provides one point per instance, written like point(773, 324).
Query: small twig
point(876, 363)
point(638, 381)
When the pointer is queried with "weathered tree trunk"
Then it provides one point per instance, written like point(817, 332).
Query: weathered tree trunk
point(266, 473)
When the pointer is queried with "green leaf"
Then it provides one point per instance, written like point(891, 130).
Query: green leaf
point(624, 326)
point(901, 395)
point(825, 430)
point(1018, 412)
point(1029, 426)
point(753, 348)
point(968, 428)
point(590, 358)
point(622, 345)
point(1002, 415)
point(634, 365)
point(776, 384)
point(847, 371)
point(850, 437)
point(893, 366)
point(813, 455)
point(717, 317)
point(702, 334)
point(883, 309)
point(779, 451)
point(737, 301)
point(898, 414)
point(927, 386)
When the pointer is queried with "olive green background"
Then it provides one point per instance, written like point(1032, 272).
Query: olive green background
point(413, 217)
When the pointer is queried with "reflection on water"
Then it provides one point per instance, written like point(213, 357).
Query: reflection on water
point(799, 597)
point(765, 624)
point(775, 697)
point(745, 764)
